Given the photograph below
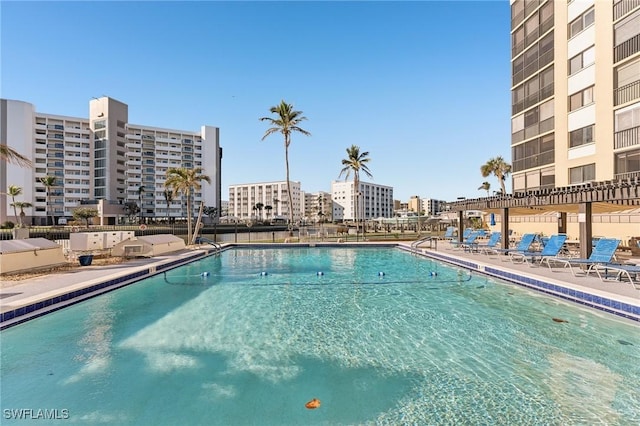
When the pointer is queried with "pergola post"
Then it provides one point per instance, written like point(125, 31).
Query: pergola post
point(460, 225)
point(584, 222)
point(562, 222)
point(504, 228)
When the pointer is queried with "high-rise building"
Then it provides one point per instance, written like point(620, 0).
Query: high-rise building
point(373, 200)
point(102, 157)
point(271, 198)
point(432, 207)
point(317, 206)
point(575, 92)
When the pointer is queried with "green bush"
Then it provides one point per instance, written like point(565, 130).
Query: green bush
point(8, 225)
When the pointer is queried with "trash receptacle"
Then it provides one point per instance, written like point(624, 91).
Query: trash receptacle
point(85, 260)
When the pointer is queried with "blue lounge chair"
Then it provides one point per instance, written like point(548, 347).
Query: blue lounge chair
point(621, 271)
point(494, 239)
point(465, 234)
point(468, 242)
point(449, 233)
point(523, 246)
point(552, 247)
point(602, 254)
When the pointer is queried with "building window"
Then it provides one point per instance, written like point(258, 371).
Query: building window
point(534, 153)
point(581, 174)
point(581, 136)
point(627, 28)
point(628, 163)
point(101, 124)
point(580, 99)
point(627, 118)
point(582, 60)
point(581, 22)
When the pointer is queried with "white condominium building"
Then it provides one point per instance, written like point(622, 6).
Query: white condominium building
point(373, 200)
point(317, 206)
point(575, 92)
point(102, 157)
point(264, 200)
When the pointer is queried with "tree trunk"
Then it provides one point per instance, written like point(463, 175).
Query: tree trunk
point(286, 157)
point(189, 218)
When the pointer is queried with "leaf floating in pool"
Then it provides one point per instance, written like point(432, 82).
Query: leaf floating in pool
point(313, 404)
point(559, 320)
point(624, 342)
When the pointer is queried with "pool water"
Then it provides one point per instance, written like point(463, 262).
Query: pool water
point(379, 336)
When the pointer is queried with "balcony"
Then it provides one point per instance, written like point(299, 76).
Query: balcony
point(627, 138)
point(626, 93)
point(623, 7)
point(626, 49)
point(627, 175)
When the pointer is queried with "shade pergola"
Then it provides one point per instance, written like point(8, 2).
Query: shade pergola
point(585, 200)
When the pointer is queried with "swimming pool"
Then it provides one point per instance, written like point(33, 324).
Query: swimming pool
point(379, 336)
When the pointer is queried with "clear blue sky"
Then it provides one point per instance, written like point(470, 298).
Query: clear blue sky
point(422, 86)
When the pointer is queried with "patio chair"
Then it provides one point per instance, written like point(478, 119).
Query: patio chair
point(552, 247)
point(602, 254)
point(465, 234)
point(450, 233)
point(491, 244)
point(468, 242)
point(620, 272)
point(523, 246)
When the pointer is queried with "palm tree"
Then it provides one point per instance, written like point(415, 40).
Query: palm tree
point(485, 186)
point(186, 181)
point(140, 193)
point(321, 204)
point(355, 162)
point(49, 182)
point(259, 206)
point(21, 205)
point(13, 156)
point(286, 122)
point(268, 210)
point(210, 211)
point(14, 191)
point(168, 197)
point(499, 168)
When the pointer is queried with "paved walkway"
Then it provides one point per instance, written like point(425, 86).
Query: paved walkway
point(14, 295)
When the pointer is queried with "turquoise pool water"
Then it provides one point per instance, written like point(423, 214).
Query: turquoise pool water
point(265, 333)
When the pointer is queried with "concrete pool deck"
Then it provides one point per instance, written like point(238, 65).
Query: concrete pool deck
point(33, 297)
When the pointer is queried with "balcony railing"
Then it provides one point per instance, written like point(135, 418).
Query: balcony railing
point(626, 49)
point(627, 138)
point(627, 175)
point(627, 93)
point(623, 7)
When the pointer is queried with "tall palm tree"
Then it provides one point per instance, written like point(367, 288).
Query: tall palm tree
point(13, 156)
point(140, 193)
point(21, 205)
point(186, 181)
point(168, 197)
point(485, 186)
point(14, 191)
point(286, 122)
point(355, 162)
point(499, 168)
point(49, 182)
point(259, 206)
